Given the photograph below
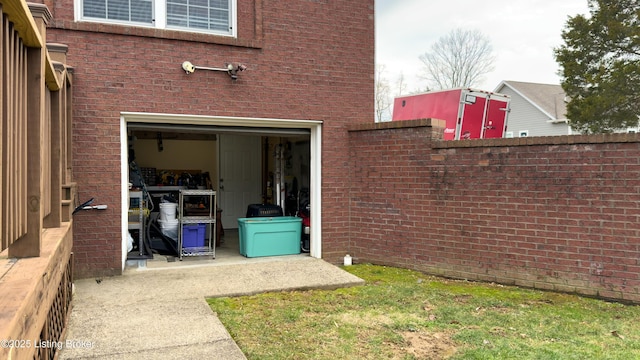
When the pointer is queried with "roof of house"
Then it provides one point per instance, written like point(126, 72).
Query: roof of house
point(549, 98)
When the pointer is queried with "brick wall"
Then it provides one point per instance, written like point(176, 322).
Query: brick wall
point(306, 60)
point(559, 213)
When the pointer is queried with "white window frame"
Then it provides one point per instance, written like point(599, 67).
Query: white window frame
point(523, 133)
point(159, 13)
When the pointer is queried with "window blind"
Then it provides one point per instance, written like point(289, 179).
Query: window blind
point(123, 10)
point(199, 14)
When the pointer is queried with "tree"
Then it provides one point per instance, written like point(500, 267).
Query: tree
point(382, 96)
point(401, 85)
point(459, 59)
point(600, 66)
point(402, 88)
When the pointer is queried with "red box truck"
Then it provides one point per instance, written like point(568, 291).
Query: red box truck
point(469, 113)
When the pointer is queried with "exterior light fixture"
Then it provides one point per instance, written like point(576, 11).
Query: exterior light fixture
point(230, 68)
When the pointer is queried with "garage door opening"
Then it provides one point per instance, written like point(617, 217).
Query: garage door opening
point(235, 164)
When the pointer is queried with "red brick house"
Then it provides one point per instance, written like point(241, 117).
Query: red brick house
point(309, 73)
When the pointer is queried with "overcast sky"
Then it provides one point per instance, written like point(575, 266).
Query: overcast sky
point(523, 34)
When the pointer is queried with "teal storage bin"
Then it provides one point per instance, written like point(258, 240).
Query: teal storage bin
point(269, 236)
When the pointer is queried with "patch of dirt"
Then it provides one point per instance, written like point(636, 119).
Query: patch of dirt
point(419, 344)
point(428, 346)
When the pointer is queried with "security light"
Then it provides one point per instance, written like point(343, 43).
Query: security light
point(230, 68)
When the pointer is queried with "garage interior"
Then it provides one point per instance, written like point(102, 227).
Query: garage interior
point(270, 165)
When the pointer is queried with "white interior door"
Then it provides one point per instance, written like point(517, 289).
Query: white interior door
point(239, 176)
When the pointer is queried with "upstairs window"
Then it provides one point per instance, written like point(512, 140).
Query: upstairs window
point(137, 11)
point(211, 15)
point(208, 16)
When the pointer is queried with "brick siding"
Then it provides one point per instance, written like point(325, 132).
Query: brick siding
point(306, 60)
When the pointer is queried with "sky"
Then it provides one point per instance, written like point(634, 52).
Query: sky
point(523, 34)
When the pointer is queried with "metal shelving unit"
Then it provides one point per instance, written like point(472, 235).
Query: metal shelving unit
point(208, 218)
point(140, 224)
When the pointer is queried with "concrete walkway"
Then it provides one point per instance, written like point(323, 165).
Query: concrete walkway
point(161, 313)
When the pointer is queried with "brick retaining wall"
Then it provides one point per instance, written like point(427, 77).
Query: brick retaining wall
point(559, 213)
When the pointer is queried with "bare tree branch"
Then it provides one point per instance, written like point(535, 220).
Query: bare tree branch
point(459, 59)
point(382, 96)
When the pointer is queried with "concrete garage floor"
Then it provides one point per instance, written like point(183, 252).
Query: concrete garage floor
point(159, 311)
point(227, 253)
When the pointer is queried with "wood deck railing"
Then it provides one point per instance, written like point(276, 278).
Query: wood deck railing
point(36, 184)
point(35, 137)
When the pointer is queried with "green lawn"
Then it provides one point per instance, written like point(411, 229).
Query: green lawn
point(403, 314)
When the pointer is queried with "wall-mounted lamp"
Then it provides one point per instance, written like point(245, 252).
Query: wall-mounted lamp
point(231, 69)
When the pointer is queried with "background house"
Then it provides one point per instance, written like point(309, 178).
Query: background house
point(536, 109)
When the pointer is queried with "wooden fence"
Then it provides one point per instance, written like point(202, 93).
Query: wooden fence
point(36, 188)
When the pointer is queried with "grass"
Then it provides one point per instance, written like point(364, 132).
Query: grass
point(403, 314)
